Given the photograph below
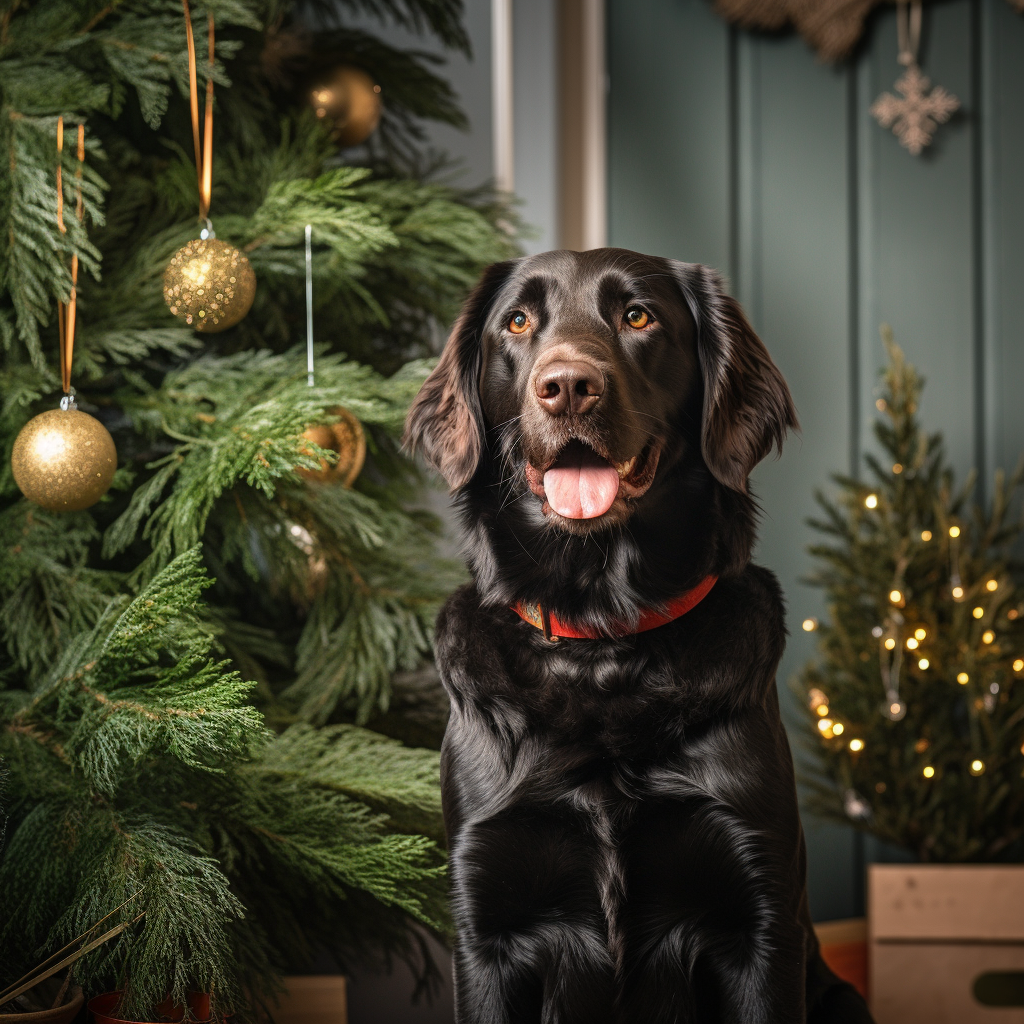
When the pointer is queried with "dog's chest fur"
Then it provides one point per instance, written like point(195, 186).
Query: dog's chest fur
point(586, 738)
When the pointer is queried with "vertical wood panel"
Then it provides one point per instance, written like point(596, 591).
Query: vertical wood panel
point(869, 137)
point(748, 258)
point(668, 146)
point(922, 256)
point(803, 315)
point(1005, 390)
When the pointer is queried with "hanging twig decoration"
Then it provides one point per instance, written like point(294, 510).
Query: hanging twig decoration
point(832, 27)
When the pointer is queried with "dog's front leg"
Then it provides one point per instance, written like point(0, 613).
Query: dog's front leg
point(525, 870)
point(532, 943)
point(709, 931)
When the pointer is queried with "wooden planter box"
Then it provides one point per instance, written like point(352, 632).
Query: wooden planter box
point(946, 943)
point(313, 999)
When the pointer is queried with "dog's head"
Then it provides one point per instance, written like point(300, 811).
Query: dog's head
point(587, 389)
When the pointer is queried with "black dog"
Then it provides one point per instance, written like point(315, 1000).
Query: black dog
point(620, 803)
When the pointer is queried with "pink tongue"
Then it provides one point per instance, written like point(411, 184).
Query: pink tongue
point(581, 486)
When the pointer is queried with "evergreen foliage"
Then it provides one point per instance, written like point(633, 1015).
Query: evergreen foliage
point(917, 696)
point(138, 768)
point(209, 435)
point(256, 820)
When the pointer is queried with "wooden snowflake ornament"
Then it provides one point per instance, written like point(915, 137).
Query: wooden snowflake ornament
point(916, 114)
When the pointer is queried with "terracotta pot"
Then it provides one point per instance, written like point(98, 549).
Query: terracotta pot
point(58, 1015)
point(104, 1009)
point(844, 947)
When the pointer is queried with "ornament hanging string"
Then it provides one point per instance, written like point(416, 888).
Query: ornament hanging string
point(64, 459)
point(309, 305)
point(203, 147)
point(908, 31)
point(66, 313)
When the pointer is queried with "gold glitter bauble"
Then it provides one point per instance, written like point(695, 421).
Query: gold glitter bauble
point(64, 460)
point(209, 284)
point(350, 104)
point(344, 437)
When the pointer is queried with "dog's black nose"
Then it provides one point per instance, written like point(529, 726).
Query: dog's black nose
point(569, 387)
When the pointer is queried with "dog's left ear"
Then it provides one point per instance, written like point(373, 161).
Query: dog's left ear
point(747, 404)
point(445, 420)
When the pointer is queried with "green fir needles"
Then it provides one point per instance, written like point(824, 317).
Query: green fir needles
point(917, 696)
point(139, 769)
point(256, 824)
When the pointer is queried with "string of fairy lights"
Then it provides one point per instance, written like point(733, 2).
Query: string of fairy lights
point(898, 640)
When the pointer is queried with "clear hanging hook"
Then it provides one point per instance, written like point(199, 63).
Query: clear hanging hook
point(309, 304)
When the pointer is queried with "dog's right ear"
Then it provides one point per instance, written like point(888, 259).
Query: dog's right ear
point(446, 421)
point(747, 405)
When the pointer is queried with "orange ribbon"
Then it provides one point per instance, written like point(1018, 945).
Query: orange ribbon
point(204, 149)
point(66, 312)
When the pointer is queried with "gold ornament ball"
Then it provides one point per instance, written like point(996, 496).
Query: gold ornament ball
point(209, 284)
point(350, 103)
point(345, 437)
point(64, 460)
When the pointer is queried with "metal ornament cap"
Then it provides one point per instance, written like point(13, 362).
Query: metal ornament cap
point(209, 284)
point(64, 460)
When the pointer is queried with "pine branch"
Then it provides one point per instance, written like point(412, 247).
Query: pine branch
point(923, 612)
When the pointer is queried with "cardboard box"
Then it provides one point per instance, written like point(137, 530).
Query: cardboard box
point(946, 943)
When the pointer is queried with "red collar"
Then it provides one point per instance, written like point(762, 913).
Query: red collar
point(554, 627)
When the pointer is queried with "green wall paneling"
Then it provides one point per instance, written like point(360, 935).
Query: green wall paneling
point(742, 151)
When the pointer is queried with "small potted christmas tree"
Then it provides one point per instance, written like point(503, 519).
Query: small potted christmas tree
point(917, 704)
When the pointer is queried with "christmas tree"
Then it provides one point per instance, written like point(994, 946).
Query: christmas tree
point(917, 696)
point(205, 759)
point(141, 776)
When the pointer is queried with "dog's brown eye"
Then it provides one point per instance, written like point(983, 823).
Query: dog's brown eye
point(637, 318)
point(519, 323)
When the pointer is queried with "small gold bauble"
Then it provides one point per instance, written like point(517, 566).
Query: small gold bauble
point(350, 103)
point(345, 437)
point(64, 460)
point(209, 284)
